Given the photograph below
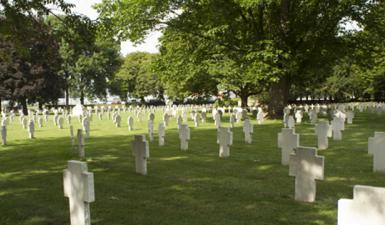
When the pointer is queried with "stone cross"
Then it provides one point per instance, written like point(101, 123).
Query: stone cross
point(86, 126)
point(161, 133)
point(60, 122)
point(321, 130)
point(350, 116)
point(203, 116)
point(24, 122)
point(287, 141)
point(248, 130)
point(80, 137)
point(366, 207)
point(217, 119)
point(306, 166)
point(130, 123)
point(184, 136)
point(260, 115)
point(232, 120)
point(79, 188)
point(118, 120)
point(225, 140)
point(3, 135)
point(179, 121)
point(151, 130)
point(40, 122)
point(196, 119)
point(378, 148)
point(337, 128)
point(372, 140)
point(298, 116)
point(290, 121)
point(141, 152)
point(31, 129)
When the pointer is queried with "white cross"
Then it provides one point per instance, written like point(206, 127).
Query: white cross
point(79, 188)
point(321, 130)
point(161, 133)
point(337, 124)
point(151, 130)
point(81, 143)
point(287, 141)
point(225, 140)
point(306, 166)
point(366, 207)
point(184, 136)
point(130, 123)
point(378, 143)
point(248, 130)
point(31, 129)
point(3, 135)
point(141, 152)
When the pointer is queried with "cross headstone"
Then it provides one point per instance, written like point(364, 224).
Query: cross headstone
point(217, 119)
point(86, 126)
point(203, 116)
point(196, 119)
point(161, 133)
point(179, 121)
point(350, 116)
point(118, 120)
point(287, 141)
point(232, 120)
point(337, 128)
point(40, 122)
point(248, 130)
point(151, 130)
point(378, 143)
point(225, 140)
point(290, 122)
point(3, 135)
point(260, 115)
point(141, 152)
point(184, 136)
point(299, 116)
point(60, 122)
point(79, 188)
point(321, 130)
point(80, 138)
point(306, 166)
point(130, 123)
point(366, 207)
point(371, 141)
point(31, 129)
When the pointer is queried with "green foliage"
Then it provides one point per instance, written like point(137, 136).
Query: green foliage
point(137, 77)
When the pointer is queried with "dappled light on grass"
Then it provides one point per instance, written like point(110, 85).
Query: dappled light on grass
point(249, 187)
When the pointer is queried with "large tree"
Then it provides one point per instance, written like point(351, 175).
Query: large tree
point(28, 66)
point(137, 78)
point(272, 43)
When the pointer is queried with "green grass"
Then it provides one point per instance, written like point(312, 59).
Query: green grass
point(194, 187)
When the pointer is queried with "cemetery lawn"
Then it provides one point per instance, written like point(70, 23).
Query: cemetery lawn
point(194, 187)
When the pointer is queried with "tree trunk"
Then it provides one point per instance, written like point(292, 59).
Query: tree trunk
point(244, 99)
point(0, 106)
point(67, 97)
point(279, 96)
point(82, 97)
point(24, 106)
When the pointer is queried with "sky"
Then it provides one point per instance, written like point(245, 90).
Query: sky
point(149, 45)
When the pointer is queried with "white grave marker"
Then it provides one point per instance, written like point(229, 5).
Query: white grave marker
point(225, 140)
point(184, 136)
point(161, 134)
point(321, 130)
point(306, 166)
point(141, 152)
point(366, 207)
point(79, 188)
point(248, 131)
point(287, 141)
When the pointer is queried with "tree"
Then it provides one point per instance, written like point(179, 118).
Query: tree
point(284, 38)
point(28, 66)
point(88, 60)
point(137, 77)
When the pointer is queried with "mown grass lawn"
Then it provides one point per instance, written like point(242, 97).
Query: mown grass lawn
point(194, 187)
